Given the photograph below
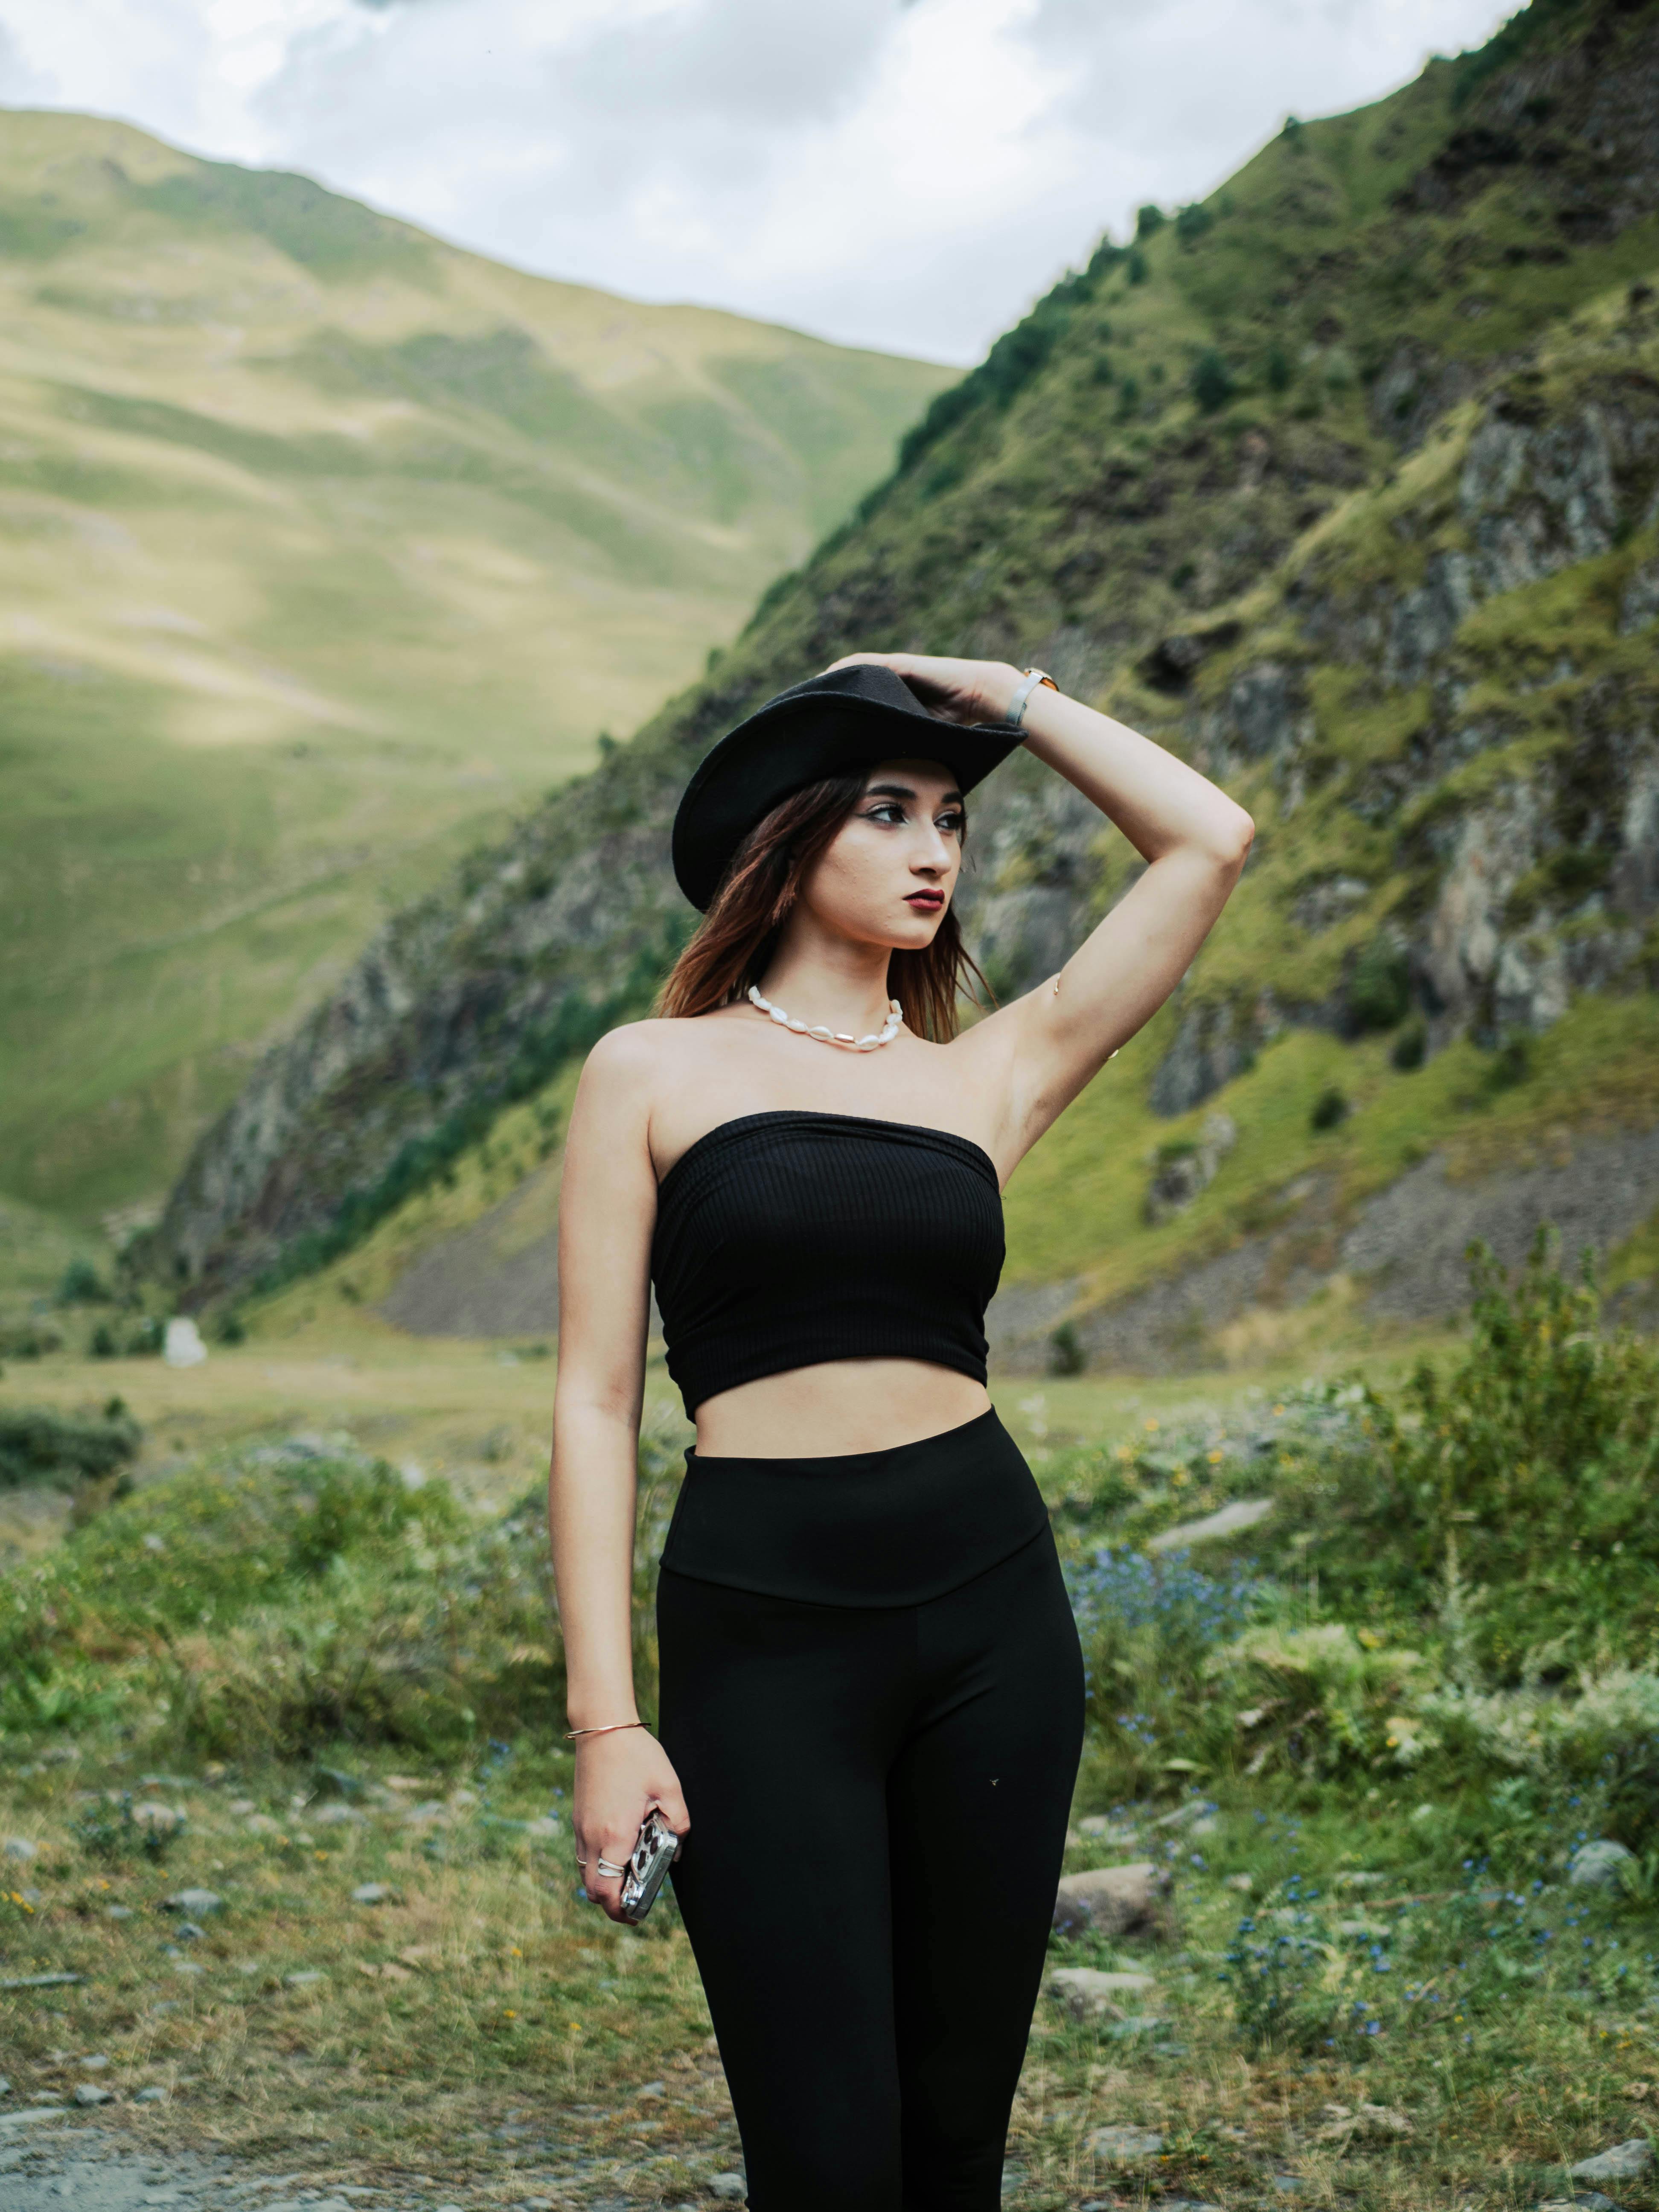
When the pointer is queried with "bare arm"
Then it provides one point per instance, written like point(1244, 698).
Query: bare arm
point(607, 1209)
point(1195, 840)
point(1040, 1051)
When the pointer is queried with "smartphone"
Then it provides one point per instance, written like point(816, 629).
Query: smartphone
point(647, 1867)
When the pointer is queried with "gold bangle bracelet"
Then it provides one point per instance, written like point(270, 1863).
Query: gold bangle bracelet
point(608, 1729)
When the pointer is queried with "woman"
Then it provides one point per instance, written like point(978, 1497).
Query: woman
point(872, 1694)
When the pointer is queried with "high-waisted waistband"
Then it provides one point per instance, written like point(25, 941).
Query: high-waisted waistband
point(862, 1529)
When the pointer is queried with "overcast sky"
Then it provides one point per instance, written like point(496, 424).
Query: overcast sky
point(907, 176)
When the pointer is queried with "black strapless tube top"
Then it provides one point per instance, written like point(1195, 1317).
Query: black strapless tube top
point(787, 1238)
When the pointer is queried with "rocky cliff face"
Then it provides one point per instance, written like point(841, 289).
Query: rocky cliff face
point(1399, 591)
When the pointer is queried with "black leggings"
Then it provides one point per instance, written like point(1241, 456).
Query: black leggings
point(878, 1799)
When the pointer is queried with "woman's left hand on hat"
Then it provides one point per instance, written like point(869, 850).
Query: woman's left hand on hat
point(967, 691)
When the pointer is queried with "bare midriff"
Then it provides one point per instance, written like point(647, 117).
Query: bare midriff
point(837, 1405)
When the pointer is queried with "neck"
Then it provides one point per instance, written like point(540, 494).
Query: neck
point(832, 983)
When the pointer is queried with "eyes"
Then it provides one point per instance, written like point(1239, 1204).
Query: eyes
point(951, 823)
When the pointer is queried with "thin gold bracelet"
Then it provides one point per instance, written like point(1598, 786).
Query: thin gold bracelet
point(608, 1729)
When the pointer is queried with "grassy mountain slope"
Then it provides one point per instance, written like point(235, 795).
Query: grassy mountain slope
point(1344, 484)
point(324, 545)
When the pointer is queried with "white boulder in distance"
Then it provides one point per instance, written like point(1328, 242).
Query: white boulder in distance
point(182, 1347)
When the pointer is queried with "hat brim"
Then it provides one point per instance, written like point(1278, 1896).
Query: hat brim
point(795, 740)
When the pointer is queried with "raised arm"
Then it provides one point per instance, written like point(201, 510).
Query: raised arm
point(1039, 1052)
point(607, 1209)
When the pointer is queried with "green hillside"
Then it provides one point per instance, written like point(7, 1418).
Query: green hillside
point(1345, 484)
point(324, 547)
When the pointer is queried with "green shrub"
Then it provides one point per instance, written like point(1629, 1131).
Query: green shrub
point(1212, 381)
point(1285, 1970)
point(1410, 1048)
point(1149, 220)
point(1304, 1979)
point(81, 1285)
point(1277, 372)
point(1603, 1742)
point(1065, 1355)
point(1136, 267)
point(198, 1553)
point(38, 1444)
point(1512, 1061)
point(1147, 1624)
point(1191, 222)
point(30, 1339)
point(1319, 1700)
point(268, 1603)
point(106, 1829)
point(1513, 1495)
point(1379, 985)
point(1329, 1109)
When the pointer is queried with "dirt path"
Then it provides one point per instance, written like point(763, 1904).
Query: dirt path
point(48, 2165)
point(61, 2160)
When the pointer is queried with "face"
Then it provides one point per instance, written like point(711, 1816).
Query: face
point(887, 875)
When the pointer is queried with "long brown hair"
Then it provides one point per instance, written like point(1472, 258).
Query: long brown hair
point(736, 939)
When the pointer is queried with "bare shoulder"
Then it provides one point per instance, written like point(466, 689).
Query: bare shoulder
point(633, 1065)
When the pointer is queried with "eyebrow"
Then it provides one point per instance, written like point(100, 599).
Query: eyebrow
point(904, 791)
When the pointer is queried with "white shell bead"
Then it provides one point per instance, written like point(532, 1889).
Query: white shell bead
point(883, 1036)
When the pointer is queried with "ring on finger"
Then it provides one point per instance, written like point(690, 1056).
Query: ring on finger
point(605, 1867)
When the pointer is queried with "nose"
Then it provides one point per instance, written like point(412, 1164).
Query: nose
point(935, 856)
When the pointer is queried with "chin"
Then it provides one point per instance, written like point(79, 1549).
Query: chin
point(918, 935)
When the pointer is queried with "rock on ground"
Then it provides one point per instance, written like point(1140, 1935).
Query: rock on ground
point(1085, 1991)
point(1121, 1900)
point(1625, 2162)
point(1125, 2146)
point(1226, 1521)
point(1597, 1865)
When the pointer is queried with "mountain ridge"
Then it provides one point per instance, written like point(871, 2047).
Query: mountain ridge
point(325, 545)
point(1289, 482)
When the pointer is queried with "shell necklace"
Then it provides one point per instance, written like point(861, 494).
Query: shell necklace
point(884, 1036)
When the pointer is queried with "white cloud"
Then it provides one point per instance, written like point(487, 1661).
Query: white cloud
point(21, 85)
point(748, 64)
point(902, 176)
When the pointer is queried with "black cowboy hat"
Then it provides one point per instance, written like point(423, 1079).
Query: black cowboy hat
point(844, 718)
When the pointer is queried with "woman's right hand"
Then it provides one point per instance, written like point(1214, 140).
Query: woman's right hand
point(620, 1777)
point(957, 690)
